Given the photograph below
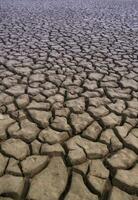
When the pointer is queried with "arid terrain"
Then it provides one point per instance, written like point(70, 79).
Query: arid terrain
point(68, 100)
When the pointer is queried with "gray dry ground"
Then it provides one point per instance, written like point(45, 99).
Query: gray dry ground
point(68, 100)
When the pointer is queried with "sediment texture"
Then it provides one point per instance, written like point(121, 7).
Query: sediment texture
point(68, 100)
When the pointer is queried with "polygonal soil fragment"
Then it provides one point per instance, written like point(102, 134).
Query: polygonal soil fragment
point(5, 121)
point(92, 132)
point(63, 112)
point(78, 189)
point(98, 101)
point(123, 159)
point(13, 167)
point(82, 168)
point(99, 111)
point(3, 163)
point(108, 137)
point(33, 164)
point(61, 124)
point(128, 136)
point(39, 105)
point(37, 77)
point(118, 106)
point(22, 101)
point(111, 120)
point(12, 185)
point(129, 83)
point(35, 146)
point(127, 180)
point(51, 181)
point(98, 177)
point(95, 76)
point(76, 156)
point(56, 98)
point(40, 117)
point(26, 131)
point(16, 90)
point(54, 150)
point(52, 136)
point(80, 121)
point(76, 105)
point(117, 194)
point(5, 99)
point(15, 148)
point(91, 149)
point(90, 85)
point(132, 139)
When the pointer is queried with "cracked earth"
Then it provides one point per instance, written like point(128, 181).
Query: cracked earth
point(68, 100)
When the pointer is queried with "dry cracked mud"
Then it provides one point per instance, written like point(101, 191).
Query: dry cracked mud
point(69, 100)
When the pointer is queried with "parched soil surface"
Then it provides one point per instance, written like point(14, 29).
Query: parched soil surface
point(68, 100)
